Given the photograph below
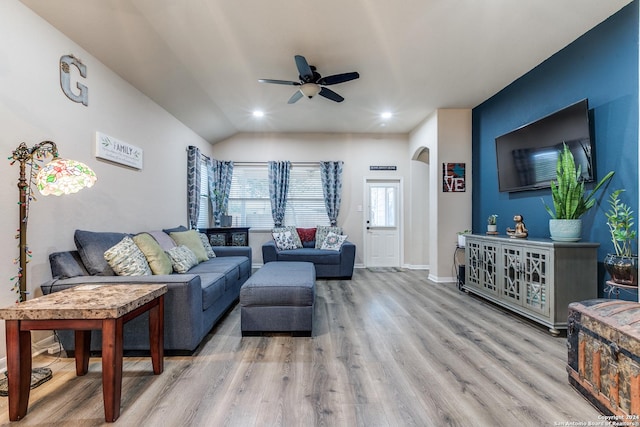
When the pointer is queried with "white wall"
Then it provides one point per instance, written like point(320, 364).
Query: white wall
point(446, 134)
point(33, 108)
point(358, 151)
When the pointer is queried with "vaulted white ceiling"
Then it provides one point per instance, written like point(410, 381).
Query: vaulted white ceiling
point(201, 59)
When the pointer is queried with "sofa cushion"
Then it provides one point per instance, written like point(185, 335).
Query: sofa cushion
point(213, 287)
point(242, 262)
point(126, 259)
point(322, 231)
point(66, 264)
point(207, 246)
point(333, 242)
point(284, 240)
point(190, 239)
point(316, 256)
point(91, 246)
point(163, 239)
point(182, 258)
point(157, 258)
point(227, 266)
point(294, 234)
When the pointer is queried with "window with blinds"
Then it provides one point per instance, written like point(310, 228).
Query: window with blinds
point(203, 212)
point(249, 203)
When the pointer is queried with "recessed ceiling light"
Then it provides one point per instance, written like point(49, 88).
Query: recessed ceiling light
point(386, 115)
point(258, 113)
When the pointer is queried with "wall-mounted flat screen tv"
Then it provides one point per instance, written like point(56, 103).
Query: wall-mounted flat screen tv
point(527, 156)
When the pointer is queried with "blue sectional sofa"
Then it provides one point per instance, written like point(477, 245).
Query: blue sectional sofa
point(195, 300)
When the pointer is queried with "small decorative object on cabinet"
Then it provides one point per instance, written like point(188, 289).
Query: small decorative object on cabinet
point(461, 237)
point(227, 236)
point(569, 202)
point(492, 224)
point(536, 278)
point(519, 231)
point(623, 265)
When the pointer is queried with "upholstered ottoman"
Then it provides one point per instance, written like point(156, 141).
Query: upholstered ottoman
point(279, 297)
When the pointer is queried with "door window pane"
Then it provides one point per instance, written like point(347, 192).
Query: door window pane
point(383, 206)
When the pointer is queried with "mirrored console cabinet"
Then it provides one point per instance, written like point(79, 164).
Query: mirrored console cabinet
point(536, 278)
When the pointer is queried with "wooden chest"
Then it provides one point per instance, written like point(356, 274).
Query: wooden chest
point(603, 338)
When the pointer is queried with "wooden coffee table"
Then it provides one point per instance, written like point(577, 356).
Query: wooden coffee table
point(82, 309)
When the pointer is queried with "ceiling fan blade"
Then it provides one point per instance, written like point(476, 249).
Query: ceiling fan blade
point(280, 82)
point(329, 94)
point(295, 97)
point(304, 69)
point(338, 78)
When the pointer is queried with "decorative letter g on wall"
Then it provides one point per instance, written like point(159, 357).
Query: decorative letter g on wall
point(65, 81)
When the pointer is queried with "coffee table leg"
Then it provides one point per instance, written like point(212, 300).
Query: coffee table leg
point(18, 369)
point(156, 336)
point(83, 350)
point(111, 367)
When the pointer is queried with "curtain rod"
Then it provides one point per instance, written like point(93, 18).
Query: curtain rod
point(265, 163)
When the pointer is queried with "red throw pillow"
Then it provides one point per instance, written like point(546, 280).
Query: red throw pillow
point(306, 234)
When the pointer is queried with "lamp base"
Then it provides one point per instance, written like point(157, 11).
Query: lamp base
point(38, 377)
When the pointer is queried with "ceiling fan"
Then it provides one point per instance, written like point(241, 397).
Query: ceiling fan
point(312, 83)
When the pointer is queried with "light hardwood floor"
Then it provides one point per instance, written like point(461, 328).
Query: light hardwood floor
point(388, 349)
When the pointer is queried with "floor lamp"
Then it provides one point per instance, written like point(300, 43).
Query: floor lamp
point(60, 176)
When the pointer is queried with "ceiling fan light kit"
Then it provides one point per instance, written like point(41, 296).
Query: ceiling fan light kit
point(310, 90)
point(312, 83)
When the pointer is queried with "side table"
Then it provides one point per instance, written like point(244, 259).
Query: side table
point(82, 309)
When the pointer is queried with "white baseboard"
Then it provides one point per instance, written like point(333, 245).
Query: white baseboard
point(444, 279)
point(37, 348)
point(416, 267)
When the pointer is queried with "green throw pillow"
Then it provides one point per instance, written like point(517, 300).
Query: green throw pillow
point(190, 239)
point(156, 256)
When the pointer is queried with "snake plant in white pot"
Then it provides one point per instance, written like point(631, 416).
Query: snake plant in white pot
point(623, 265)
point(570, 198)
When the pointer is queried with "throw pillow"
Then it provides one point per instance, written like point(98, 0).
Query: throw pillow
point(306, 234)
point(190, 239)
point(182, 258)
point(294, 234)
point(163, 239)
point(283, 240)
point(207, 246)
point(66, 264)
point(322, 231)
point(175, 229)
point(333, 242)
point(157, 258)
point(91, 246)
point(126, 259)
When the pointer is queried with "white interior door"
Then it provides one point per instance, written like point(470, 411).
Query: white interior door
point(382, 228)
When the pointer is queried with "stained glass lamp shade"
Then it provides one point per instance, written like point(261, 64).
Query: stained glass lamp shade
point(60, 176)
point(64, 176)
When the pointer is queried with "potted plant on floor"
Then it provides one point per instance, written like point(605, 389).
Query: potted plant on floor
point(570, 198)
point(623, 265)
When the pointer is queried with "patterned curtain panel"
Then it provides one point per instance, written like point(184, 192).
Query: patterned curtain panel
point(193, 185)
point(331, 174)
point(278, 189)
point(220, 174)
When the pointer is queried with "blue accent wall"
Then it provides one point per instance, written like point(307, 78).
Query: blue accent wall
point(602, 66)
